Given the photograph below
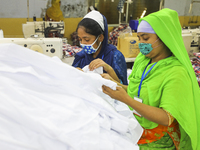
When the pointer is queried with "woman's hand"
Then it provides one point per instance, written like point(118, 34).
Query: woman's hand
point(151, 113)
point(107, 76)
point(98, 63)
point(79, 68)
point(118, 94)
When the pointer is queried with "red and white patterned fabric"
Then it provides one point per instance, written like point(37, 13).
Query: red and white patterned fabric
point(113, 35)
point(196, 66)
point(69, 50)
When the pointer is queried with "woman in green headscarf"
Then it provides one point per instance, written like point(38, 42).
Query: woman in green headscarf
point(54, 13)
point(163, 90)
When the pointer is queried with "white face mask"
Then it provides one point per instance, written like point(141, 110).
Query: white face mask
point(88, 48)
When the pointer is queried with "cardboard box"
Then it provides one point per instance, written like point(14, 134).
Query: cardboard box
point(128, 45)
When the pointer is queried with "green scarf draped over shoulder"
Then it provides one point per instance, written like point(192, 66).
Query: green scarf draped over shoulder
point(171, 84)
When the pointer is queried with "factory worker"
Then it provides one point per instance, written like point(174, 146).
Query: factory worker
point(93, 36)
point(54, 12)
point(163, 90)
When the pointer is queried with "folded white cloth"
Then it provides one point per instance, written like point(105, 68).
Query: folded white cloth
point(97, 70)
point(47, 105)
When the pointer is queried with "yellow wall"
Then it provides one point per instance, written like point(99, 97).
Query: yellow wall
point(194, 21)
point(12, 27)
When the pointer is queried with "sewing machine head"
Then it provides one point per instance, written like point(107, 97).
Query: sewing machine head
point(43, 29)
point(191, 38)
point(48, 46)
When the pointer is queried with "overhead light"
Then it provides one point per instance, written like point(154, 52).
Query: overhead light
point(143, 13)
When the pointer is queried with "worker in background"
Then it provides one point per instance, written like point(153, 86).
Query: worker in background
point(54, 12)
point(163, 89)
point(93, 36)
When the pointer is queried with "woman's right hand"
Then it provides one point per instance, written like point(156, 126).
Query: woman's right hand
point(98, 63)
point(118, 94)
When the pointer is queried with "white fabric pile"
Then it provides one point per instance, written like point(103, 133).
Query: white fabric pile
point(49, 105)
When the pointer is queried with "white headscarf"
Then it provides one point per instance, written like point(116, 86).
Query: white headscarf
point(96, 16)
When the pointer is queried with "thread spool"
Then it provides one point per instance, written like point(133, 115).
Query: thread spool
point(34, 18)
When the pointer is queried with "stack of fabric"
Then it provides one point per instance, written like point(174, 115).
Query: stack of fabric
point(113, 35)
point(69, 50)
point(196, 65)
point(47, 105)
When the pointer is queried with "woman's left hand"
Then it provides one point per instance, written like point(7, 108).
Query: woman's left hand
point(107, 76)
point(98, 63)
point(118, 94)
point(79, 68)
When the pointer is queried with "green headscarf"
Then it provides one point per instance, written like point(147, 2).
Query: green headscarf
point(167, 26)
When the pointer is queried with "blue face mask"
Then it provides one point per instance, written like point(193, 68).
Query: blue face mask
point(88, 48)
point(146, 48)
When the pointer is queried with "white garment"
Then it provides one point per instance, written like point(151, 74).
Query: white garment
point(47, 105)
point(97, 70)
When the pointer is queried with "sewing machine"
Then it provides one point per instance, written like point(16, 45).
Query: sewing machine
point(48, 46)
point(191, 38)
point(43, 29)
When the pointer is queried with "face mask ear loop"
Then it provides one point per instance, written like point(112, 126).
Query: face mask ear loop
point(155, 42)
point(92, 43)
point(97, 47)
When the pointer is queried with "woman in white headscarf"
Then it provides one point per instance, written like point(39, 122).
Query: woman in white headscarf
point(93, 36)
